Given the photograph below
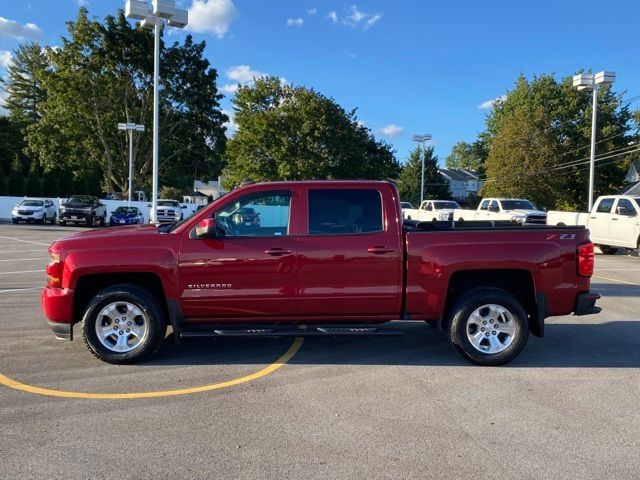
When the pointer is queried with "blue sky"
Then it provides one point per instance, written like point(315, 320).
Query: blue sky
point(407, 66)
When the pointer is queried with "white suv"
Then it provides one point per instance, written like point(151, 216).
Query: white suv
point(39, 210)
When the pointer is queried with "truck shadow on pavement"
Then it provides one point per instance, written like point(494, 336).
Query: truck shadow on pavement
point(616, 289)
point(566, 345)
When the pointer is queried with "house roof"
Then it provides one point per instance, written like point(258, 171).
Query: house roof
point(458, 175)
point(197, 194)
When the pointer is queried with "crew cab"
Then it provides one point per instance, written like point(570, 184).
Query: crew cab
point(515, 210)
point(84, 209)
point(614, 222)
point(432, 210)
point(327, 258)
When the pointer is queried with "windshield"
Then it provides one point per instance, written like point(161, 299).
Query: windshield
point(440, 205)
point(517, 205)
point(168, 203)
point(125, 210)
point(32, 203)
point(637, 200)
point(170, 227)
point(79, 199)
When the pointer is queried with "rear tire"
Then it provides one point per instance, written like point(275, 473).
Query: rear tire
point(123, 324)
point(488, 326)
point(607, 250)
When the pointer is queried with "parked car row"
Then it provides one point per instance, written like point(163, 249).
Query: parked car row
point(90, 211)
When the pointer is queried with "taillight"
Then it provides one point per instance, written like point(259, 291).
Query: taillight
point(54, 271)
point(586, 259)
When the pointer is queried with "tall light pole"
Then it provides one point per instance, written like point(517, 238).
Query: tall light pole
point(131, 127)
point(154, 17)
point(591, 82)
point(425, 137)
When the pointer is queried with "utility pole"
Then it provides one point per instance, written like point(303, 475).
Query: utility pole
point(421, 139)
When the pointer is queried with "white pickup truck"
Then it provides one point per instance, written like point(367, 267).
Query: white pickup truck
point(614, 222)
point(512, 209)
point(431, 210)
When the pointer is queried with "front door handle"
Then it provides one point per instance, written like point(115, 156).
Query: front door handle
point(277, 252)
point(380, 250)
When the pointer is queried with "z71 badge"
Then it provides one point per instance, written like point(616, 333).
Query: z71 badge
point(561, 236)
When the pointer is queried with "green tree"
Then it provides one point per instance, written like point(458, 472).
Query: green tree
point(23, 84)
point(170, 193)
point(17, 185)
point(521, 160)
point(410, 178)
point(33, 186)
point(102, 75)
point(555, 114)
point(468, 156)
point(294, 133)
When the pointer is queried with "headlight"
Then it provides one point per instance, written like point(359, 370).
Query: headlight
point(518, 218)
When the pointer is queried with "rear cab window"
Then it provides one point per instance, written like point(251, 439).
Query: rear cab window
point(344, 211)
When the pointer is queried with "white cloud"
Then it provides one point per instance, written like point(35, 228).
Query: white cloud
point(355, 18)
point(243, 74)
point(229, 88)
point(11, 28)
point(82, 3)
point(3, 97)
point(490, 103)
point(392, 130)
point(5, 58)
point(212, 16)
point(230, 124)
point(312, 11)
point(295, 22)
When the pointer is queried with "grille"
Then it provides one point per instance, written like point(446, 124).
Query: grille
point(536, 219)
point(24, 212)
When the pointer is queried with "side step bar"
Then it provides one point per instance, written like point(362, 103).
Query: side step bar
point(287, 331)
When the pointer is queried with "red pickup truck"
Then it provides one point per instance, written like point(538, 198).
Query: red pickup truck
point(332, 256)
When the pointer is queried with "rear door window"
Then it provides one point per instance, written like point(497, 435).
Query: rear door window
point(605, 205)
point(344, 211)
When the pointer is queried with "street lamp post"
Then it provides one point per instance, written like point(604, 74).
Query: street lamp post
point(154, 17)
point(130, 128)
point(584, 81)
point(421, 139)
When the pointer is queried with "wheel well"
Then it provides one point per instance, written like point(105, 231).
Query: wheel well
point(517, 282)
point(89, 285)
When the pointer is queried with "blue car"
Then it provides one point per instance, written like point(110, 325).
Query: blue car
point(126, 216)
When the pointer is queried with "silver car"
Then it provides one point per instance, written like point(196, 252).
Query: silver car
point(40, 210)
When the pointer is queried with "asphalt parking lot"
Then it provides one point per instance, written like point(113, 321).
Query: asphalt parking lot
point(385, 407)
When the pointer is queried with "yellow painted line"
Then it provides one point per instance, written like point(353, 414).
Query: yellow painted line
point(293, 349)
point(616, 280)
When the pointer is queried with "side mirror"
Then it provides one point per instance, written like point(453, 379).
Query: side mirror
point(625, 211)
point(206, 228)
point(183, 206)
point(493, 208)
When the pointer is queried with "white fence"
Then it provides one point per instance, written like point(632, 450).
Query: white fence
point(7, 204)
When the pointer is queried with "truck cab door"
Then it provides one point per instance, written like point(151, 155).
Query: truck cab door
point(249, 270)
point(350, 260)
point(600, 220)
point(625, 223)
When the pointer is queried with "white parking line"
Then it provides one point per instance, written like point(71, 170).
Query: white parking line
point(22, 259)
point(20, 289)
point(23, 271)
point(618, 269)
point(616, 280)
point(26, 241)
point(22, 251)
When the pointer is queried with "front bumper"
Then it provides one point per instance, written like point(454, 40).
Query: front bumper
point(57, 305)
point(27, 217)
point(586, 303)
point(75, 217)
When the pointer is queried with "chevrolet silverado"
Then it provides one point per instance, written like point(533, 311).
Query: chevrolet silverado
point(326, 258)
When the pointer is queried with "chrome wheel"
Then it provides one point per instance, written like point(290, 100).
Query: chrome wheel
point(491, 328)
point(121, 327)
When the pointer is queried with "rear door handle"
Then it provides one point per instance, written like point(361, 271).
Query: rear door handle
point(614, 219)
point(380, 250)
point(277, 252)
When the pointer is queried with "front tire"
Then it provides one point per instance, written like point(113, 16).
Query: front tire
point(92, 221)
point(123, 324)
point(488, 326)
